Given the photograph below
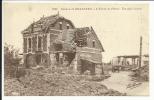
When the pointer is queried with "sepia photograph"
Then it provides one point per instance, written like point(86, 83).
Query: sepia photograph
point(76, 49)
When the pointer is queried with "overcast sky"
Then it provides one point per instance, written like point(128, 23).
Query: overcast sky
point(118, 29)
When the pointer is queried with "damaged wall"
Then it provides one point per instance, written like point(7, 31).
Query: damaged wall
point(54, 36)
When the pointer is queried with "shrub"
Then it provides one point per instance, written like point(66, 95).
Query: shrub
point(11, 60)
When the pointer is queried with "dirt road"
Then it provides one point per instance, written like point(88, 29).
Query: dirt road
point(122, 83)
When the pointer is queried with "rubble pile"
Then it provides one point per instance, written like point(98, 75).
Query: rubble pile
point(144, 73)
point(38, 83)
point(141, 74)
point(13, 87)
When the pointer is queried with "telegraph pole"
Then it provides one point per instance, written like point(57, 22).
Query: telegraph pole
point(140, 57)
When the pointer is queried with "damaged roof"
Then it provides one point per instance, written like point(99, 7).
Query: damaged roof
point(45, 22)
point(68, 40)
point(86, 30)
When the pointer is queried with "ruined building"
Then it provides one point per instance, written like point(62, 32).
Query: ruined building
point(54, 41)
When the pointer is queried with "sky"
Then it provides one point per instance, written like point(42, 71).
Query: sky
point(118, 26)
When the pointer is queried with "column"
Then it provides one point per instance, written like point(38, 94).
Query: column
point(37, 43)
point(118, 60)
point(133, 61)
point(137, 61)
point(125, 61)
point(27, 44)
point(48, 42)
point(31, 43)
point(42, 42)
point(23, 45)
point(75, 62)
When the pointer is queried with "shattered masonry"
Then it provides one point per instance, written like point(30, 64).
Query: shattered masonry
point(54, 40)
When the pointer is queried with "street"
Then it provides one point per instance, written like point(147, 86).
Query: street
point(122, 82)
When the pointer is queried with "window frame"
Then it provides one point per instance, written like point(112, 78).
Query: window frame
point(93, 43)
point(39, 43)
point(68, 26)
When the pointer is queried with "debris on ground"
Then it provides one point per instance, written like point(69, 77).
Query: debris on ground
point(141, 74)
point(133, 85)
point(56, 83)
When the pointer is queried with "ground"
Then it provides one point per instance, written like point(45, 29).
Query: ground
point(58, 82)
point(61, 82)
point(123, 83)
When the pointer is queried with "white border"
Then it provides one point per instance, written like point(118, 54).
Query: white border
point(151, 30)
point(71, 1)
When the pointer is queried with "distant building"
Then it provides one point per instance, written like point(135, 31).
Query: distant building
point(54, 40)
point(130, 60)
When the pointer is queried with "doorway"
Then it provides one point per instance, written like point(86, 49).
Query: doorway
point(38, 59)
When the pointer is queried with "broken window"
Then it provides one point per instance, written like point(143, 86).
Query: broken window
point(87, 31)
point(52, 25)
point(52, 38)
point(58, 47)
point(93, 43)
point(81, 38)
point(25, 45)
point(68, 26)
point(38, 59)
point(61, 58)
point(60, 25)
point(34, 43)
point(57, 57)
point(39, 43)
point(80, 43)
point(45, 43)
point(30, 44)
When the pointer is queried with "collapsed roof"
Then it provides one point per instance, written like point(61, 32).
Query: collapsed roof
point(44, 23)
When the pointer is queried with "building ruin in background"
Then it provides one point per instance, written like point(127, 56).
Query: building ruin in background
point(130, 61)
point(54, 40)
